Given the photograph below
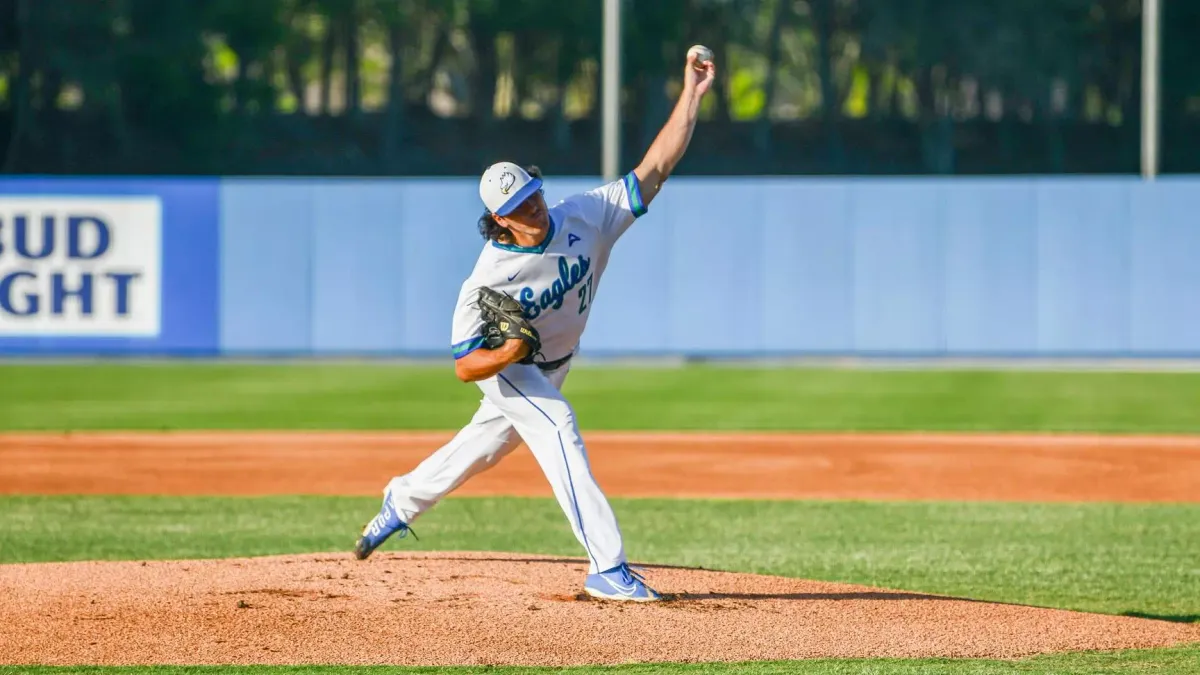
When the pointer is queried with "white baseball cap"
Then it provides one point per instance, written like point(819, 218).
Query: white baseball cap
point(504, 186)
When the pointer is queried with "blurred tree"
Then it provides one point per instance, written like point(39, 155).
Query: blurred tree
point(444, 86)
point(1180, 91)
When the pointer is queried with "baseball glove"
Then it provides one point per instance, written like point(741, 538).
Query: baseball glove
point(504, 320)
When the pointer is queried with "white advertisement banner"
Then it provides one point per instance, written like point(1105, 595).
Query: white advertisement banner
point(80, 266)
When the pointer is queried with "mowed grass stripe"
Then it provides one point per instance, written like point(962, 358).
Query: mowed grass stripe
point(217, 395)
point(1175, 661)
point(1116, 559)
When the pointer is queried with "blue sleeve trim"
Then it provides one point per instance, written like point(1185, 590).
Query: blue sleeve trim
point(634, 189)
point(467, 346)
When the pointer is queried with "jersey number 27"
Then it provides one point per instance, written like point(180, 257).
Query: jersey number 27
point(585, 294)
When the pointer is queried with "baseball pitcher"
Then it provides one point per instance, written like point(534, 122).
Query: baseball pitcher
point(518, 321)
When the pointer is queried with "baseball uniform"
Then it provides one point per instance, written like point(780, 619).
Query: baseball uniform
point(556, 284)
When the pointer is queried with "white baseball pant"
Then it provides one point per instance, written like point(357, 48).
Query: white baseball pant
point(521, 403)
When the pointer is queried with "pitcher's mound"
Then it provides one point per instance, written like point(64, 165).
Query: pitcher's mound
point(463, 608)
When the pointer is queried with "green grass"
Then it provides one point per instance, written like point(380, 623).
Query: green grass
point(1177, 661)
point(1122, 559)
point(1116, 559)
point(213, 395)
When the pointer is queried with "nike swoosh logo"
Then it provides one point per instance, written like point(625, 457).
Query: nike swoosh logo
point(513, 276)
point(623, 590)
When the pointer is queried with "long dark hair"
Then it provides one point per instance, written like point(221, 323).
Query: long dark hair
point(489, 228)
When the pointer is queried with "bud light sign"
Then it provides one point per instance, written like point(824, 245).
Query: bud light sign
point(80, 266)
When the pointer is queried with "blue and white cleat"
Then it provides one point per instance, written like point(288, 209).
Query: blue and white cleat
point(620, 583)
point(383, 525)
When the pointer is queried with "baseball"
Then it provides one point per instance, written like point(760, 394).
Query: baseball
point(703, 54)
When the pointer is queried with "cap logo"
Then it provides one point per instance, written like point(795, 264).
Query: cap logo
point(506, 182)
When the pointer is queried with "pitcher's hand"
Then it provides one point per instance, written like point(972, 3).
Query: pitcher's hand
point(698, 77)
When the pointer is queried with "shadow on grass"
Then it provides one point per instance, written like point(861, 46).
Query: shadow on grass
point(686, 596)
point(565, 561)
point(848, 595)
point(864, 595)
point(1174, 618)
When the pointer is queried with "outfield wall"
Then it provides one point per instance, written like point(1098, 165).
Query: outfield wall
point(962, 266)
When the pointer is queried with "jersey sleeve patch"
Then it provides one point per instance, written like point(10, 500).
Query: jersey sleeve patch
point(633, 190)
point(465, 347)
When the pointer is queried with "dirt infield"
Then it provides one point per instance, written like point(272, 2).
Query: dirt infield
point(915, 466)
point(500, 609)
point(445, 609)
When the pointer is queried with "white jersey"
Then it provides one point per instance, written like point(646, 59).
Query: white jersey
point(555, 282)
